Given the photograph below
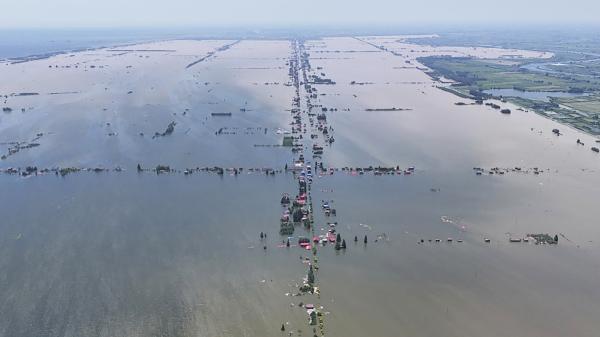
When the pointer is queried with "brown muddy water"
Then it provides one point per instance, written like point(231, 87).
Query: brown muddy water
point(141, 254)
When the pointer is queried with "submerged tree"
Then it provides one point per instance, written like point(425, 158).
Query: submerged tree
point(311, 275)
point(343, 244)
point(297, 215)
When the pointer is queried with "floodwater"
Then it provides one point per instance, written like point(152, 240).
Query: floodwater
point(141, 254)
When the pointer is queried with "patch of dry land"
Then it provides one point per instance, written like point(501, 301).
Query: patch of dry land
point(445, 193)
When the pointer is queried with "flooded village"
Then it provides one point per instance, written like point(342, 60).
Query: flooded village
point(303, 187)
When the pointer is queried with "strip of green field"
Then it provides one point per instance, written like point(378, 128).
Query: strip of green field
point(589, 104)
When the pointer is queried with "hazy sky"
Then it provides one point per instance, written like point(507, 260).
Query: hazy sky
point(115, 13)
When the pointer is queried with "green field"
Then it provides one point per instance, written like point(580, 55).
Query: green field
point(473, 76)
point(484, 74)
